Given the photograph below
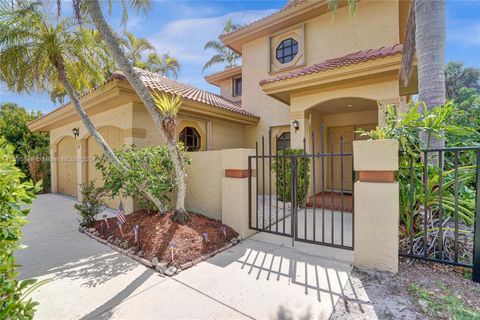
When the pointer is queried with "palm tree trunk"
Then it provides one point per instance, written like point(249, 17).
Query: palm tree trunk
point(62, 76)
point(112, 42)
point(430, 48)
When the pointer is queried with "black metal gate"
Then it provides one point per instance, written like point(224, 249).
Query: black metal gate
point(304, 194)
point(440, 206)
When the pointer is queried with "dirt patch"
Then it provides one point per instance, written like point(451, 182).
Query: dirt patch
point(420, 290)
point(157, 231)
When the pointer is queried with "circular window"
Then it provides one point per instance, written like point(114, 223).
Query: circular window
point(190, 138)
point(287, 50)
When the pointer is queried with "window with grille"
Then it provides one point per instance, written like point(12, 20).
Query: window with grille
point(283, 141)
point(190, 138)
point(237, 86)
point(287, 50)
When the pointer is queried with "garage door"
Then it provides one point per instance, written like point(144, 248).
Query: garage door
point(114, 138)
point(67, 166)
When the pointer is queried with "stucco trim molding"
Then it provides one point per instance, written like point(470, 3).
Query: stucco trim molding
point(236, 173)
point(135, 133)
point(376, 176)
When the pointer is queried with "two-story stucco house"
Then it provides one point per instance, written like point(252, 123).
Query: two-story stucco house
point(302, 65)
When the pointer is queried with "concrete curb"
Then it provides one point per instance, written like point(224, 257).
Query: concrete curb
point(148, 263)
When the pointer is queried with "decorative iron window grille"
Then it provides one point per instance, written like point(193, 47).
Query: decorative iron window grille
point(283, 141)
point(190, 138)
point(287, 50)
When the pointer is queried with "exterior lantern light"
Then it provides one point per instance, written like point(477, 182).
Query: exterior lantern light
point(296, 125)
point(76, 132)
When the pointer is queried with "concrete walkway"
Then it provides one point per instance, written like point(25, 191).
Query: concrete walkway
point(261, 278)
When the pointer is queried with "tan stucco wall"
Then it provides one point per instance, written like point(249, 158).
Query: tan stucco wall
point(375, 24)
point(215, 134)
point(255, 68)
point(204, 184)
point(226, 90)
point(377, 207)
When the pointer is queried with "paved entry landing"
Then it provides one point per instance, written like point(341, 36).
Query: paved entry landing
point(262, 277)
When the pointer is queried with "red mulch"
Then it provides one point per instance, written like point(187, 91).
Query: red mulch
point(157, 230)
point(337, 201)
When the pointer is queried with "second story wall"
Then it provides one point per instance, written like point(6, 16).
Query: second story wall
point(256, 66)
point(375, 24)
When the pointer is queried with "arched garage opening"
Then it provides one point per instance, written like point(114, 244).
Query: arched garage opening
point(67, 166)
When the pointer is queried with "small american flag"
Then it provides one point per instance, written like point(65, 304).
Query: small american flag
point(121, 213)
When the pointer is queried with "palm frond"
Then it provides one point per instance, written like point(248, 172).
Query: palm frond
point(216, 59)
point(408, 51)
point(168, 105)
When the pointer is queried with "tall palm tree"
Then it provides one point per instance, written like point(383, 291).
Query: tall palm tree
point(164, 65)
point(425, 38)
point(37, 55)
point(224, 55)
point(113, 43)
point(134, 47)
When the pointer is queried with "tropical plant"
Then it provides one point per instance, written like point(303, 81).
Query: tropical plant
point(164, 65)
point(38, 161)
point(223, 54)
point(16, 196)
point(94, 9)
point(282, 166)
point(14, 129)
point(415, 211)
point(135, 47)
point(153, 164)
point(458, 77)
point(93, 202)
point(169, 105)
point(38, 55)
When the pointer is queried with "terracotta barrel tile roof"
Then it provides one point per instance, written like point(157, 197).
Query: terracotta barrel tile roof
point(154, 81)
point(347, 60)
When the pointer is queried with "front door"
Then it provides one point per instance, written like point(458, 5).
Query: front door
point(341, 179)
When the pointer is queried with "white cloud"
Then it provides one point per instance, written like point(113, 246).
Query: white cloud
point(463, 32)
point(185, 38)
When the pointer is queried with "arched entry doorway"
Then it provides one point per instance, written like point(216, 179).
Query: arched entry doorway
point(336, 124)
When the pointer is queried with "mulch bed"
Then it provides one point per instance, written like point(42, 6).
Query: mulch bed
point(337, 201)
point(156, 231)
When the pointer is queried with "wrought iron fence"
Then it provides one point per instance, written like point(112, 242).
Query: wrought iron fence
point(440, 206)
point(293, 193)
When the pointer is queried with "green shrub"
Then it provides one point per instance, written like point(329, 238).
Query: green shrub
point(15, 195)
point(148, 168)
point(92, 203)
point(282, 166)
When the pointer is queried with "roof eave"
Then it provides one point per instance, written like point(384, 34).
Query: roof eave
point(216, 78)
point(275, 22)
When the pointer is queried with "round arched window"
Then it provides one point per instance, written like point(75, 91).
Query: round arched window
point(283, 141)
point(287, 50)
point(190, 138)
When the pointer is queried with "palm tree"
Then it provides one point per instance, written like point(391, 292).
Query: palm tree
point(37, 55)
point(134, 47)
point(113, 44)
point(458, 77)
point(164, 65)
point(224, 55)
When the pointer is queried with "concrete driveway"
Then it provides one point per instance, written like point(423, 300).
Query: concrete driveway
point(263, 277)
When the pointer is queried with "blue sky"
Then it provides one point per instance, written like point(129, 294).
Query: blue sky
point(183, 27)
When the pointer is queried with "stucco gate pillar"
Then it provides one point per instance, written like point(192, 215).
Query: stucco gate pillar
point(376, 205)
point(235, 190)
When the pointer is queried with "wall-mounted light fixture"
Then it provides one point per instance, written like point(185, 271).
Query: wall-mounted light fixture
point(76, 132)
point(296, 125)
